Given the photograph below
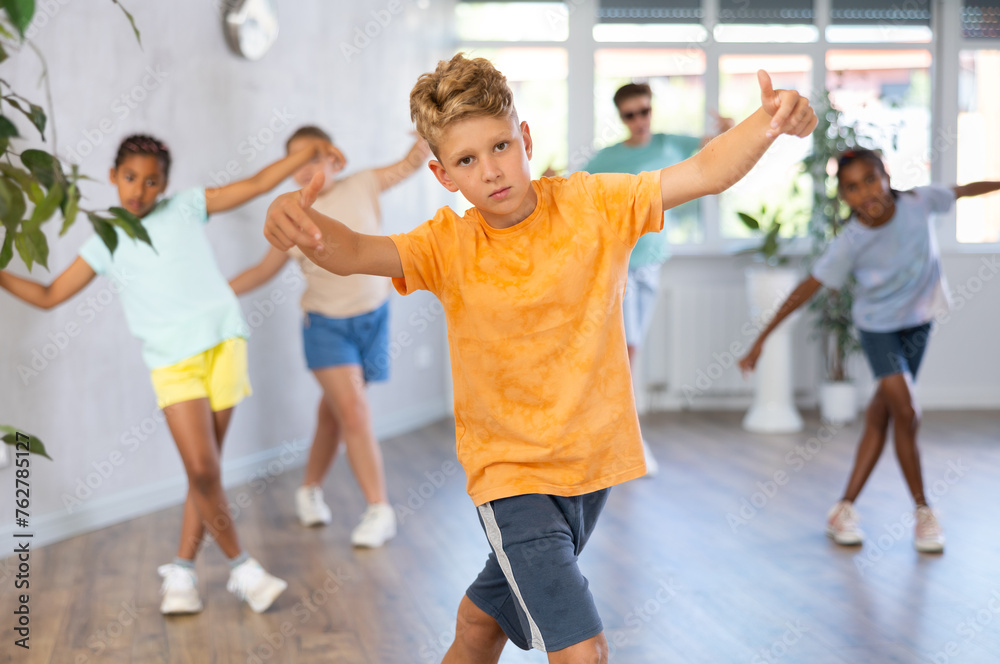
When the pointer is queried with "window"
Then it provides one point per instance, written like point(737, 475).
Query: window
point(676, 78)
point(512, 21)
point(888, 94)
point(771, 181)
point(978, 219)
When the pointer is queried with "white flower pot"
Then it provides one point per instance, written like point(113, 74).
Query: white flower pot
point(773, 409)
point(838, 402)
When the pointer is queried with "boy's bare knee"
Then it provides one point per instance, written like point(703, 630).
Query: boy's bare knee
point(476, 629)
point(592, 651)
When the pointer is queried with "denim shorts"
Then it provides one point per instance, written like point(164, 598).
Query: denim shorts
point(637, 304)
point(896, 352)
point(531, 584)
point(362, 340)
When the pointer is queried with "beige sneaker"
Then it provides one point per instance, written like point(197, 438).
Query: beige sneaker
point(310, 507)
point(842, 524)
point(927, 535)
point(378, 526)
point(250, 582)
point(179, 590)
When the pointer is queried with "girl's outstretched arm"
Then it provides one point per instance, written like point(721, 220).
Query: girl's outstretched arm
point(975, 188)
point(393, 174)
point(65, 286)
point(796, 299)
point(261, 273)
point(220, 199)
point(325, 241)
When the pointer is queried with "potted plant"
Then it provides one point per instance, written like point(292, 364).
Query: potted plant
point(831, 310)
point(768, 284)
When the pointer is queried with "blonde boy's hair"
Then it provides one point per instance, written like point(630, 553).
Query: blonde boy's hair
point(458, 89)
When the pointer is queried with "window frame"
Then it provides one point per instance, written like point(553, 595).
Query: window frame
point(945, 44)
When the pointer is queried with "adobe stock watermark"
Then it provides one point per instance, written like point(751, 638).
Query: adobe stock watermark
point(303, 611)
point(121, 108)
point(795, 460)
point(364, 34)
point(968, 630)
point(254, 144)
point(903, 526)
point(640, 615)
point(417, 497)
point(59, 341)
point(780, 646)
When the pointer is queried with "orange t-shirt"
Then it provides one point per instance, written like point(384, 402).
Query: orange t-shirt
point(543, 393)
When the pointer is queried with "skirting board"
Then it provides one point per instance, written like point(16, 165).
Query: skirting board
point(108, 510)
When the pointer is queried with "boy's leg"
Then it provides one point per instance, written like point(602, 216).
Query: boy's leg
point(532, 585)
point(478, 637)
point(592, 651)
point(326, 442)
point(344, 391)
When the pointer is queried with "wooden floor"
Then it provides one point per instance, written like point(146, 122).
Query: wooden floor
point(720, 559)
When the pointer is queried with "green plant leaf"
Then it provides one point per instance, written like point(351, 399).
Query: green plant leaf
point(12, 205)
point(33, 112)
point(35, 446)
point(105, 230)
point(43, 166)
point(131, 20)
point(70, 208)
point(749, 221)
point(129, 223)
point(23, 250)
point(7, 251)
point(7, 128)
point(20, 13)
point(3, 53)
point(26, 180)
point(43, 211)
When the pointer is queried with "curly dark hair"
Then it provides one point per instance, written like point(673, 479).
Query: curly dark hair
point(145, 145)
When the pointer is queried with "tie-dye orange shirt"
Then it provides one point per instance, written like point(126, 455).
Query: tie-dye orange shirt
point(543, 394)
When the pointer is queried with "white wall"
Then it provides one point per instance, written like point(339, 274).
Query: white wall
point(961, 369)
point(91, 402)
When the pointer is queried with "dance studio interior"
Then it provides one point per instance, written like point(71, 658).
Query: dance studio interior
point(811, 499)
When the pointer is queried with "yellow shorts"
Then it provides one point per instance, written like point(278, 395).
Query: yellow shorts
point(219, 373)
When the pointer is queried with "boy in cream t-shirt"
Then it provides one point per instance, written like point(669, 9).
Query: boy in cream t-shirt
point(345, 333)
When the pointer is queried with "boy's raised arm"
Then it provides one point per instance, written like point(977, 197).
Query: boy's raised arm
point(325, 241)
point(727, 158)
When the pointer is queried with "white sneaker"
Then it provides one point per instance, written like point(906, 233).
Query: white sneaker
point(378, 526)
point(927, 536)
point(842, 524)
point(310, 506)
point(250, 582)
point(652, 467)
point(179, 590)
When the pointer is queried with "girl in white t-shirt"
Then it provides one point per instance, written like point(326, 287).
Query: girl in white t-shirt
point(345, 336)
point(888, 245)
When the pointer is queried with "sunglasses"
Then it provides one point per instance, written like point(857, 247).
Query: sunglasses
point(641, 113)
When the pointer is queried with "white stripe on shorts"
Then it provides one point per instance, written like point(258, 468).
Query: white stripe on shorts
point(496, 541)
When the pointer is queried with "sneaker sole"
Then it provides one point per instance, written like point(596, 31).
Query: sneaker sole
point(264, 602)
point(371, 545)
point(844, 541)
point(180, 608)
point(929, 547)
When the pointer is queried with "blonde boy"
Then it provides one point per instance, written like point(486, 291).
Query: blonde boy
point(531, 279)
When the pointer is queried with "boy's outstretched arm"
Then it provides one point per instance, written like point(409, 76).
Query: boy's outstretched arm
point(325, 241)
point(726, 159)
point(220, 199)
point(65, 286)
point(796, 299)
point(975, 188)
point(259, 274)
point(393, 174)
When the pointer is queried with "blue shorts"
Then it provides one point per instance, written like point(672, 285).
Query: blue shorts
point(362, 340)
point(637, 304)
point(531, 584)
point(896, 352)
